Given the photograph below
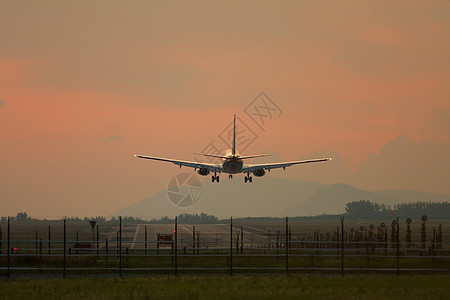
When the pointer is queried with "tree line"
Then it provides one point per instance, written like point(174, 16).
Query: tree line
point(186, 218)
point(368, 209)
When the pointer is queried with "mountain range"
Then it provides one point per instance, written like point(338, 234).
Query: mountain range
point(271, 196)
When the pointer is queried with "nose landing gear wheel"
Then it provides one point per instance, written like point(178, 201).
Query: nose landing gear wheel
point(248, 178)
point(215, 178)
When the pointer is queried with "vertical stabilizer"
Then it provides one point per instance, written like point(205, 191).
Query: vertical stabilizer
point(234, 136)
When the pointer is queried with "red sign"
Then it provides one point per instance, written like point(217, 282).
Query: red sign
point(165, 239)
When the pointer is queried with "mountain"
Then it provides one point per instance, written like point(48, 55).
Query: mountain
point(331, 199)
point(400, 164)
point(266, 196)
point(272, 196)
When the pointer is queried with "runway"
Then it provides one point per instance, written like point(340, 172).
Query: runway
point(209, 235)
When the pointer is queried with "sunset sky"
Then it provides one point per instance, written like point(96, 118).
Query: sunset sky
point(84, 85)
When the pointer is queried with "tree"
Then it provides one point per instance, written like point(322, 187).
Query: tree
point(22, 216)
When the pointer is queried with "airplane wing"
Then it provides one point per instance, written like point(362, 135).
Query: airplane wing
point(182, 163)
point(269, 166)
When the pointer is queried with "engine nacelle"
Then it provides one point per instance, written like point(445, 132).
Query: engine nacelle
point(259, 173)
point(203, 171)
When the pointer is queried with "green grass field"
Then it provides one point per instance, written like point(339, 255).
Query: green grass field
point(237, 287)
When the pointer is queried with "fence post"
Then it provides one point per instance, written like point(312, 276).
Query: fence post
point(98, 236)
point(433, 246)
point(193, 240)
point(398, 247)
point(242, 239)
point(385, 240)
point(120, 246)
point(9, 248)
point(198, 242)
point(78, 245)
point(117, 244)
point(36, 233)
point(40, 256)
point(176, 245)
point(278, 243)
point(342, 246)
point(231, 246)
point(145, 252)
point(64, 250)
point(157, 243)
point(49, 238)
point(106, 253)
point(367, 255)
point(287, 245)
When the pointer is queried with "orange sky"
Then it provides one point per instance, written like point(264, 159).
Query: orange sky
point(84, 86)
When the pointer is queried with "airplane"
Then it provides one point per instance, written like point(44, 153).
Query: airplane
point(233, 163)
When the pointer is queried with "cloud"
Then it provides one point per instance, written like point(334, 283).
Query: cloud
point(113, 138)
point(2, 103)
point(438, 123)
point(405, 164)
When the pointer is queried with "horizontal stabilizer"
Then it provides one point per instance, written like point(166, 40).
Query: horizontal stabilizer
point(255, 156)
point(211, 155)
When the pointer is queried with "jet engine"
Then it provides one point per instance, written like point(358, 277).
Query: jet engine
point(203, 171)
point(259, 172)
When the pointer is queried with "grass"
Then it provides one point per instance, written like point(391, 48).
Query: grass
point(226, 287)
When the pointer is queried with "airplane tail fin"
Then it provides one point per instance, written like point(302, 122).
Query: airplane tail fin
point(233, 149)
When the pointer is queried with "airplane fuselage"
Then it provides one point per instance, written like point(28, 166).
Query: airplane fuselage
point(232, 165)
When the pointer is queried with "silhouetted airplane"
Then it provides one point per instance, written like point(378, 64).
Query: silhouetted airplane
point(232, 163)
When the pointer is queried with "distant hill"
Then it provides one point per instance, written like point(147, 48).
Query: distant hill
point(272, 196)
point(331, 199)
point(266, 196)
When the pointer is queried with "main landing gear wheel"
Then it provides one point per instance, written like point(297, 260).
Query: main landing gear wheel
point(230, 176)
point(248, 178)
point(215, 178)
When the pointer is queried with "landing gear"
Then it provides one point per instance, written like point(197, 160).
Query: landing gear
point(215, 177)
point(230, 176)
point(248, 178)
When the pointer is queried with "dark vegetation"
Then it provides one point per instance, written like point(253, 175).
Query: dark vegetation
point(183, 218)
point(362, 209)
point(367, 209)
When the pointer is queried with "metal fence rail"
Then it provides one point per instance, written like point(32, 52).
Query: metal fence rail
point(277, 254)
